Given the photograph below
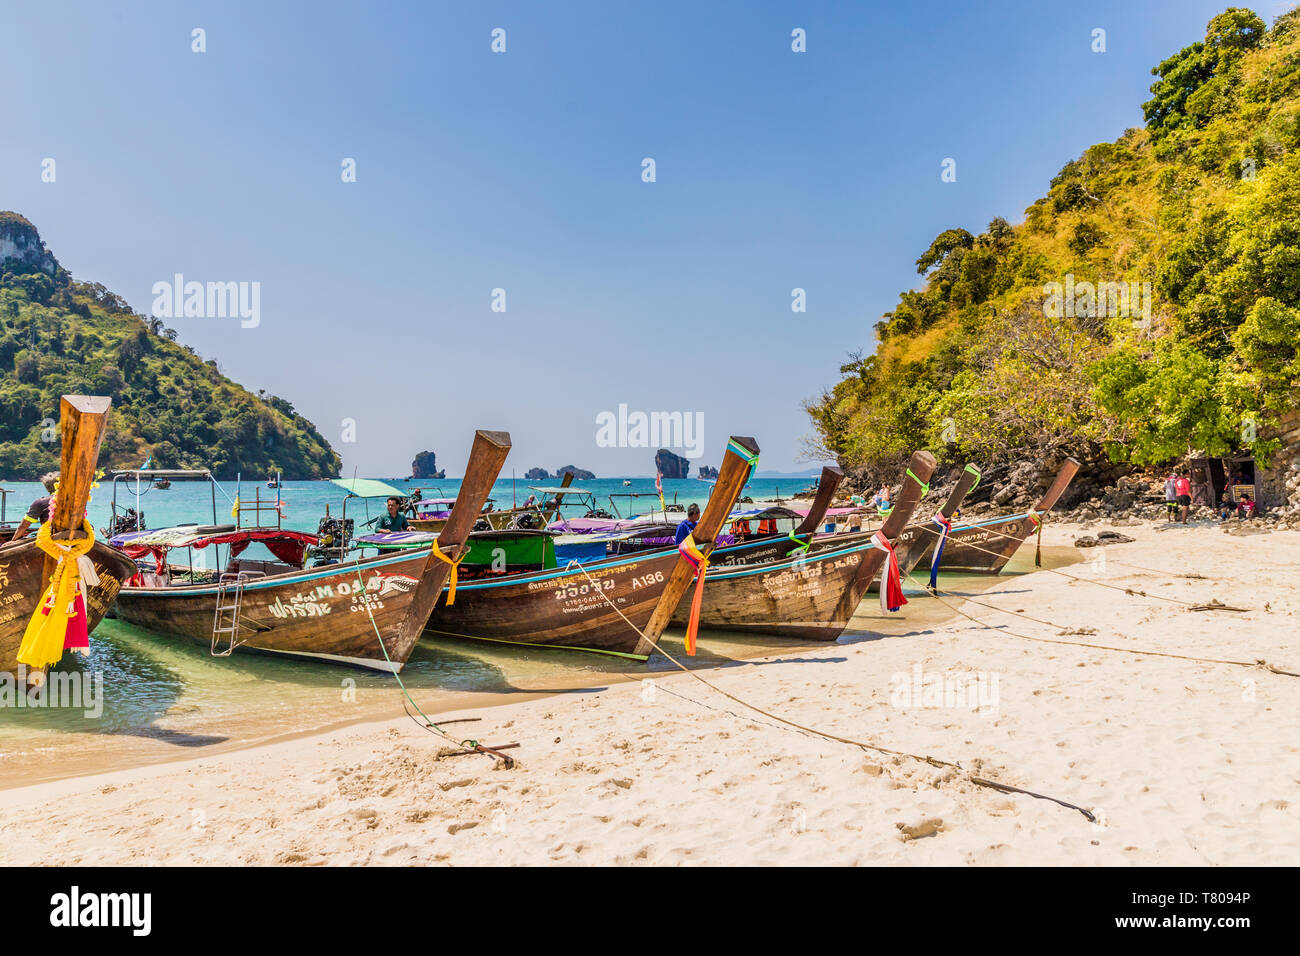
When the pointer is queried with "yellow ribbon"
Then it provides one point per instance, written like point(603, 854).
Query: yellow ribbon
point(43, 640)
point(451, 590)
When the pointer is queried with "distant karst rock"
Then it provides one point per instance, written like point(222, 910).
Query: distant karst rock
point(708, 473)
point(672, 466)
point(579, 474)
point(426, 466)
point(536, 474)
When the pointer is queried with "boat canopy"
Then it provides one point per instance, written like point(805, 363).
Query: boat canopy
point(398, 539)
point(556, 490)
point(169, 473)
point(663, 520)
point(368, 488)
point(289, 546)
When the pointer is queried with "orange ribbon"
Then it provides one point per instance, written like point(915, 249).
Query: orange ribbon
point(698, 560)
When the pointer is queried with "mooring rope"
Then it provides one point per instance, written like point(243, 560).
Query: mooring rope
point(428, 721)
point(863, 745)
point(936, 592)
point(1131, 592)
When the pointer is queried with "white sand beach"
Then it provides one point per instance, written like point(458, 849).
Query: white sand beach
point(1183, 762)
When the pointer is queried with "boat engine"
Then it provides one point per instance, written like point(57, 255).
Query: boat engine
point(128, 520)
point(335, 536)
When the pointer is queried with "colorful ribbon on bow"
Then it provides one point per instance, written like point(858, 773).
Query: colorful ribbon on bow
point(801, 547)
point(455, 565)
point(1038, 548)
point(891, 588)
point(700, 562)
point(736, 448)
point(946, 525)
point(59, 621)
point(925, 488)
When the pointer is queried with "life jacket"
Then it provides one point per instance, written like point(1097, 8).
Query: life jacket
point(767, 526)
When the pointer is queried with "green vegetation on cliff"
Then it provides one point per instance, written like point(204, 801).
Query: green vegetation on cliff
point(1045, 337)
point(59, 336)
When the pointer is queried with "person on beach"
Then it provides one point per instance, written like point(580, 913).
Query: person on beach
point(687, 526)
point(1183, 489)
point(1246, 508)
point(881, 501)
point(394, 521)
point(41, 508)
point(1171, 497)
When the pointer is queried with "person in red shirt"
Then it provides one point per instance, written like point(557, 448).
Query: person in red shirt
point(1183, 489)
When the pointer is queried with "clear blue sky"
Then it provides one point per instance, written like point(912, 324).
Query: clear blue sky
point(522, 170)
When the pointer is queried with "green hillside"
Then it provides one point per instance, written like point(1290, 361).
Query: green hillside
point(1203, 203)
point(59, 336)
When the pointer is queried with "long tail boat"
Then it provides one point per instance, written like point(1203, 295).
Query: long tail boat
point(813, 595)
point(335, 613)
point(920, 537)
point(618, 605)
point(984, 547)
point(25, 569)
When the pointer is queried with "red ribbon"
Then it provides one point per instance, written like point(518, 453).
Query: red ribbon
point(891, 587)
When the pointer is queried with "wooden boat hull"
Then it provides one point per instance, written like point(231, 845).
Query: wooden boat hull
point(21, 588)
point(335, 613)
point(982, 547)
point(562, 608)
point(615, 605)
point(985, 547)
point(810, 597)
point(316, 614)
point(521, 609)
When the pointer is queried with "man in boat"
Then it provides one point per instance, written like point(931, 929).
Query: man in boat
point(413, 499)
point(687, 526)
point(41, 508)
point(394, 521)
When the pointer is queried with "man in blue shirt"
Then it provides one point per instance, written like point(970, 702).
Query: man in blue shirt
point(687, 526)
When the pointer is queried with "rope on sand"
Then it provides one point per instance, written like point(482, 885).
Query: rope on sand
point(1131, 592)
point(937, 592)
point(863, 745)
point(472, 746)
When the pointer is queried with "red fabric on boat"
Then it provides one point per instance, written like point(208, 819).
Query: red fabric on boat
point(159, 555)
point(288, 546)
